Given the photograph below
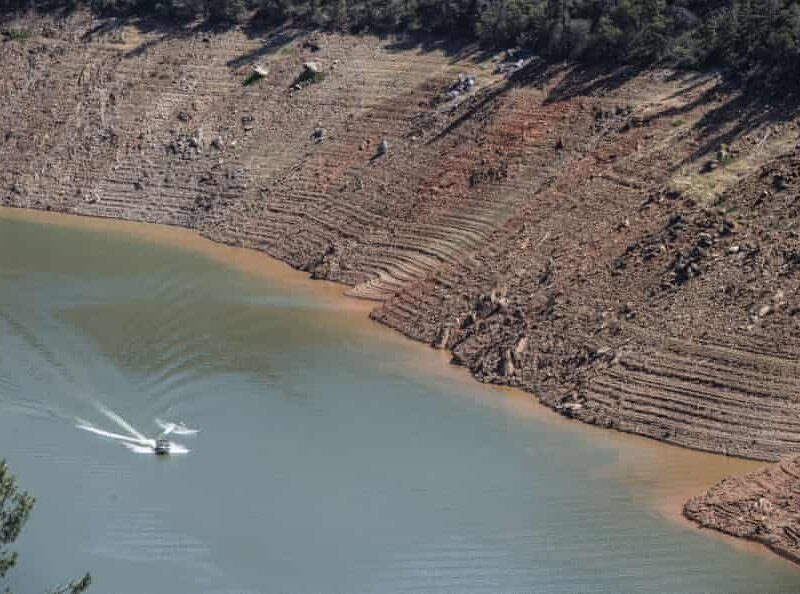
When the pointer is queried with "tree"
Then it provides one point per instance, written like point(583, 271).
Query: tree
point(558, 13)
point(503, 21)
point(651, 38)
point(224, 10)
point(342, 16)
point(15, 507)
point(754, 39)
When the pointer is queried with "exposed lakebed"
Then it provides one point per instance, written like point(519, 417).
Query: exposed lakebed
point(333, 456)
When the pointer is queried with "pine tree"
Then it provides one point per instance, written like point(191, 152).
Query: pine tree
point(15, 507)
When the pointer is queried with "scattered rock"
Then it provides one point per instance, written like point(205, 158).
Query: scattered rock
point(441, 339)
point(383, 147)
point(312, 44)
point(318, 135)
point(570, 408)
point(764, 311)
point(312, 68)
point(704, 240)
point(312, 73)
point(507, 367)
point(464, 84)
point(260, 71)
point(509, 68)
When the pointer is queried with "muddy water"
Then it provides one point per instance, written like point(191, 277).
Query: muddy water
point(332, 455)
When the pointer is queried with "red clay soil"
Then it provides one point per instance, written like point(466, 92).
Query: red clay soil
point(622, 244)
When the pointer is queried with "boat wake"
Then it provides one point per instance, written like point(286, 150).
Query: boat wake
point(135, 440)
point(143, 441)
point(176, 428)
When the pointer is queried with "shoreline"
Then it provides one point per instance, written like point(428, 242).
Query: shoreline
point(639, 467)
point(597, 237)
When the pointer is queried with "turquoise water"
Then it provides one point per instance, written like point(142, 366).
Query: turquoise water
point(331, 458)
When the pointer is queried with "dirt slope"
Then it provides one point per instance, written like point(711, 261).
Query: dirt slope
point(620, 243)
point(762, 506)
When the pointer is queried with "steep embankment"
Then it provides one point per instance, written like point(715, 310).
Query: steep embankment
point(620, 243)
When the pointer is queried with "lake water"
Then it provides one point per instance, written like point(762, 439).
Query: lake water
point(332, 456)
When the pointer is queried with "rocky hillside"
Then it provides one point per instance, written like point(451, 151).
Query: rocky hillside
point(607, 240)
point(621, 243)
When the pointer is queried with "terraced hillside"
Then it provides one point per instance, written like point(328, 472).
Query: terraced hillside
point(621, 243)
point(624, 296)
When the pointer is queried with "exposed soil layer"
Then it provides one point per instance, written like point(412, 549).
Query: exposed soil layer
point(622, 244)
point(762, 506)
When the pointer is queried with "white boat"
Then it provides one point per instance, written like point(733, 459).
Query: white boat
point(162, 447)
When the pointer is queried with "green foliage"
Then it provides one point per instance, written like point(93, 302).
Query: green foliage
point(503, 22)
point(224, 10)
point(16, 35)
point(309, 78)
point(724, 155)
point(746, 37)
point(15, 507)
point(252, 78)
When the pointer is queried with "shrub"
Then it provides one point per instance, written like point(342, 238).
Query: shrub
point(16, 35)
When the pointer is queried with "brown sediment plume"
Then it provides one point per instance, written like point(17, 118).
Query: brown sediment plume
point(248, 261)
point(620, 243)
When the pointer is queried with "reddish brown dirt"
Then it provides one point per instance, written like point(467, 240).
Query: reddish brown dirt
point(622, 244)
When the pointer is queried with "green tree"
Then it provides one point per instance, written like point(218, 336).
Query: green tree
point(342, 15)
point(15, 507)
point(503, 21)
point(224, 10)
point(651, 35)
point(560, 19)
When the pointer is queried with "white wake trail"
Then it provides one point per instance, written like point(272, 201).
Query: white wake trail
point(138, 449)
point(136, 441)
point(122, 423)
point(176, 428)
point(142, 441)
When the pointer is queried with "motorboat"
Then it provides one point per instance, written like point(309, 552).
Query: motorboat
point(139, 442)
point(162, 447)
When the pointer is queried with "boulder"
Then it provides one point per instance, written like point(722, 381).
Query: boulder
point(260, 70)
point(312, 68)
point(441, 339)
point(507, 367)
point(318, 135)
